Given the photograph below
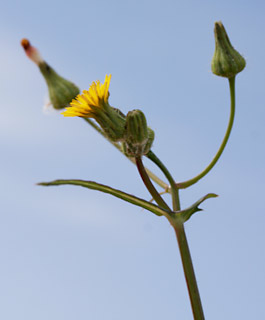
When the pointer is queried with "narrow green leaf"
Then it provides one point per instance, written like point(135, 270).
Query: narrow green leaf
point(106, 189)
point(187, 213)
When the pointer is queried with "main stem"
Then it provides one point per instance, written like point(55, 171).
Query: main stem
point(190, 277)
point(179, 227)
point(179, 230)
point(190, 182)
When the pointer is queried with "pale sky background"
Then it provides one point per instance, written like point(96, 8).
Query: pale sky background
point(72, 253)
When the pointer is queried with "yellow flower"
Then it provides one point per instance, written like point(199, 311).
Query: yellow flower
point(91, 102)
point(94, 103)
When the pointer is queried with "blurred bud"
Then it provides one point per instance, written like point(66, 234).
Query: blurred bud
point(61, 91)
point(226, 62)
point(138, 137)
point(31, 52)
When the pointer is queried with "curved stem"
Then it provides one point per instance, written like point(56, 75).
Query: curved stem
point(192, 181)
point(158, 181)
point(150, 187)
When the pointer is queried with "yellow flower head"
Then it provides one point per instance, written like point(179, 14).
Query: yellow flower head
point(94, 104)
point(91, 102)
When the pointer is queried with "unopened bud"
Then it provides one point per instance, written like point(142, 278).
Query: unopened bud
point(138, 137)
point(226, 62)
point(61, 91)
point(31, 52)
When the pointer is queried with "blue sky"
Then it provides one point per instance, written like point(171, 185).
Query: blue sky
point(71, 253)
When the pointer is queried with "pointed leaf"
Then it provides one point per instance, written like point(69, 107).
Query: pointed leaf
point(187, 213)
point(106, 189)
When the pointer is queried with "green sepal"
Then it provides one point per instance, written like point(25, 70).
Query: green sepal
point(184, 215)
point(116, 193)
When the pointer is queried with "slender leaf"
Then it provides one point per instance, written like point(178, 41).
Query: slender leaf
point(106, 189)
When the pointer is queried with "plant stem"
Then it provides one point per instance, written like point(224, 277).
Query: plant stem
point(187, 264)
point(174, 190)
point(158, 181)
point(189, 273)
point(99, 130)
point(150, 187)
point(180, 233)
point(190, 182)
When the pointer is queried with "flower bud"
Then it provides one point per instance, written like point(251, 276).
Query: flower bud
point(61, 91)
point(138, 137)
point(226, 62)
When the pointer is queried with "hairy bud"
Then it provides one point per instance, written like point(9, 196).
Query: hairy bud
point(138, 136)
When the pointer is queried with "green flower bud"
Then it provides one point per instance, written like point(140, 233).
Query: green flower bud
point(226, 62)
point(61, 91)
point(138, 137)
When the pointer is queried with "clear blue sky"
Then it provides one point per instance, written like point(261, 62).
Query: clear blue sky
point(71, 253)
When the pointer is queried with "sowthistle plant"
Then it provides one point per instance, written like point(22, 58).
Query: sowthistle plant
point(131, 135)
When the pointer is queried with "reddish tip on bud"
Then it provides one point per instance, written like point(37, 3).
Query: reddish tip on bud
point(31, 52)
point(25, 43)
point(61, 91)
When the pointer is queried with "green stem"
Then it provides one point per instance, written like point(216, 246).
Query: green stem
point(158, 181)
point(190, 182)
point(180, 234)
point(179, 228)
point(189, 273)
point(174, 190)
point(99, 130)
point(150, 187)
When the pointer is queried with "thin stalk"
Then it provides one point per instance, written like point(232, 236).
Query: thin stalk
point(157, 180)
point(99, 130)
point(189, 273)
point(148, 183)
point(174, 190)
point(190, 182)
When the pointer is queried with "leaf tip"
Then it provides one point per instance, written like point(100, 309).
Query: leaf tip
point(42, 184)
